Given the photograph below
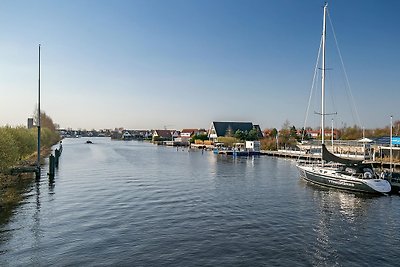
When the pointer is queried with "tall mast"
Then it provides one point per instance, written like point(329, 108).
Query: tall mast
point(323, 76)
point(391, 144)
point(39, 120)
point(332, 135)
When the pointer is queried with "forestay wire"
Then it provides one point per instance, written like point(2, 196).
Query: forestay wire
point(312, 90)
point(353, 103)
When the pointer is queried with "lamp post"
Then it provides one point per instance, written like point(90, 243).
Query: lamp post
point(391, 144)
point(39, 120)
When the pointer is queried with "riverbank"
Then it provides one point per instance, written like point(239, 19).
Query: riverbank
point(13, 186)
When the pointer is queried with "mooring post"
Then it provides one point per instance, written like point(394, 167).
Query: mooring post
point(51, 166)
point(57, 156)
point(37, 173)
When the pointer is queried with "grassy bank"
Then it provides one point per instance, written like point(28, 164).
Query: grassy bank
point(18, 147)
point(19, 144)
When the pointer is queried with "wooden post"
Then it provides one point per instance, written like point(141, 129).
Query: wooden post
point(57, 156)
point(51, 166)
point(37, 172)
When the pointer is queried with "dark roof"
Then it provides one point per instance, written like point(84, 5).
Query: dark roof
point(189, 130)
point(258, 129)
point(164, 133)
point(221, 127)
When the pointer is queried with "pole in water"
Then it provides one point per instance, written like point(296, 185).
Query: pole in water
point(51, 166)
point(57, 156)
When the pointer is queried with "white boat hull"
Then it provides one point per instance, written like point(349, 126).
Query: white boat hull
point(330, 177)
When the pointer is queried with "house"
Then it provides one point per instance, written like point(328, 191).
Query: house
point(315, 134)
point(162, 135)
point(225, 128)
point(187, 133)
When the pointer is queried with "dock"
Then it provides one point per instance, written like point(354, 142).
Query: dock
point(24, 169)
point(237, 153)
point(291, 154)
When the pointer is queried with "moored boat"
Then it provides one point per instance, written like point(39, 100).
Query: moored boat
point(343, 174)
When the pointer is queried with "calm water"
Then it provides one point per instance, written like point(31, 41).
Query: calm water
point(136, 204)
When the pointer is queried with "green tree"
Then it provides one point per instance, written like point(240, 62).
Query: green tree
point(351, 133)
point(274, 133)
point(240, 135)
point(202, 137)
point(284, 134)
point(293, 132)
point(252, 135)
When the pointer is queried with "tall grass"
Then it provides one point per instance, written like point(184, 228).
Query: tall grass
point(18, 143)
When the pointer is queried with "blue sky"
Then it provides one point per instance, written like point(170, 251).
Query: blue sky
point(184, 63)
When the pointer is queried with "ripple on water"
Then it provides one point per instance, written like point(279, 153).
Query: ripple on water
point(136, 204)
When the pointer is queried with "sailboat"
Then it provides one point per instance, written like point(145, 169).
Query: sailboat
point(340, 173)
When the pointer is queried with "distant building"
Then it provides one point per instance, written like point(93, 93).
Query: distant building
point(225, 128)
point(315, 134)
point(187, 133)
point(30, 123)
point(162, 135)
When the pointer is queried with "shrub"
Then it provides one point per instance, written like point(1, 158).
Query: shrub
point(228, 141)
point(8, 149)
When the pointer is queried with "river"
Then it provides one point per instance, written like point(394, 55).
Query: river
point(129, 203)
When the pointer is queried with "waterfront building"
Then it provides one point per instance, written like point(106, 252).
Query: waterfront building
point(228, 128)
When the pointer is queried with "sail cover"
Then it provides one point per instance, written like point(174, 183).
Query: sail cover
point(329, 157)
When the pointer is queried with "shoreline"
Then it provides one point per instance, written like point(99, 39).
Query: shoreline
point(13, 186)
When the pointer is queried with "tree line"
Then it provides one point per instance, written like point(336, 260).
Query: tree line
point(289, 136)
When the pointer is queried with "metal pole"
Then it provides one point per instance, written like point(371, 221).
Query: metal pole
point(332, 135)
point(39, 120)
point(323, 76)
point(391, 143)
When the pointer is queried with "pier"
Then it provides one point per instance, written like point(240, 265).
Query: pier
point(24, 169)
point(291, 154)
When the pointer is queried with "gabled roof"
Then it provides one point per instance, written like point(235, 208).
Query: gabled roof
point(164, 133)
point(221, 127)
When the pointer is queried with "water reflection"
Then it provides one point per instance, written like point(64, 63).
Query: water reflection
point(339, 217)
point(131, 203)
point(36, 222)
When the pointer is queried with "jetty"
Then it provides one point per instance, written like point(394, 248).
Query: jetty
point(291, 154)
point(24, 169)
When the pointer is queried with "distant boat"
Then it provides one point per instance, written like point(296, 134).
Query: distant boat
point(341, 173)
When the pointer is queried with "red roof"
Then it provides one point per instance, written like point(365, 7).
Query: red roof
point(189, 130)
